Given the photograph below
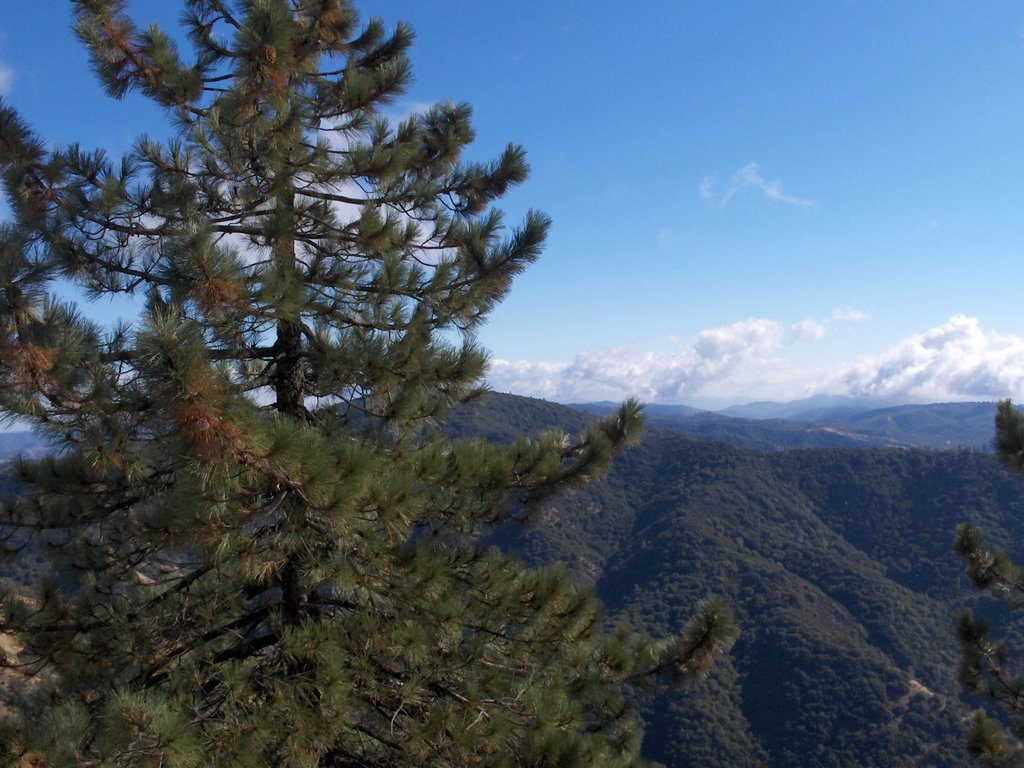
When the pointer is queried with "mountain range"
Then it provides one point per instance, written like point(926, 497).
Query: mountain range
point(828, 422)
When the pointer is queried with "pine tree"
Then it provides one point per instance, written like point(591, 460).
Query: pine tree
point(268, 553)
point(986, 667)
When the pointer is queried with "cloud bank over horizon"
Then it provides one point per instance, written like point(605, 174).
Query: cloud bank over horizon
point(958, 360)
point(756, 359)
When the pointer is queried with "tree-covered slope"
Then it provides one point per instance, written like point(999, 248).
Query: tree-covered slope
point(776, 434)
point(838, 565)
point(936, 425)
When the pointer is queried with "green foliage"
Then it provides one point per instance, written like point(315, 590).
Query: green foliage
point(277, 558)
point(986, 665)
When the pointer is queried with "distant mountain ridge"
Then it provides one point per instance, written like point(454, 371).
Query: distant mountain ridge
point(829, 422)
point(808, 408)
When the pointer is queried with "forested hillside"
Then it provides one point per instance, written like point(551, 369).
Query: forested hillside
point(838, 564)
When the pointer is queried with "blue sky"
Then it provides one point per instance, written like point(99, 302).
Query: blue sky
point(750, 201)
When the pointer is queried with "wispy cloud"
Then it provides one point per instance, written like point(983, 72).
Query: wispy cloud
point(708, 187)
point(814, 330)
point(6, 79)
point(849, 314)
point(748, 177)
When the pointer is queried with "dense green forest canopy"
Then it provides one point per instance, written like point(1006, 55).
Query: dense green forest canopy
point(837, 562)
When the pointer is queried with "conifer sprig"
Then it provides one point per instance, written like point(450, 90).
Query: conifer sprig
point(985, 662)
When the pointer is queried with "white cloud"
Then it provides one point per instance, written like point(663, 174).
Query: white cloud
point(748, 177)
point(524, 377)
point(849, 314)
point(731, 342)
point(808, 329)
point(759, 358)
point(706, 188)
point(958, 360)
point(6, 79)
point(726, 356)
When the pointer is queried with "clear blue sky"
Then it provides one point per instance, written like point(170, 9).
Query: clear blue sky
point(751, 200)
